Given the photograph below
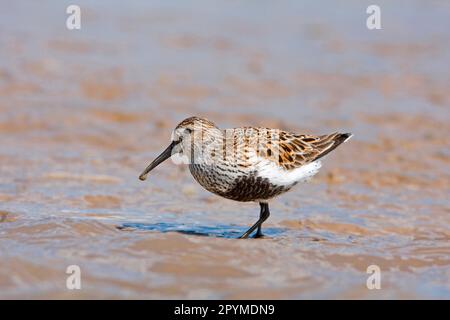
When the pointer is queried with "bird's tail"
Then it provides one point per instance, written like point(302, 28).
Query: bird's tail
point(327, 143)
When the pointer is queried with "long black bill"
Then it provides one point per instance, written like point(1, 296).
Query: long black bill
point(163, 156)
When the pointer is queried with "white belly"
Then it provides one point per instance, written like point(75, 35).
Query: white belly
point(282, 177)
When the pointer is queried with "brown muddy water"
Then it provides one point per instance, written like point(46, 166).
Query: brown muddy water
point(82, 112)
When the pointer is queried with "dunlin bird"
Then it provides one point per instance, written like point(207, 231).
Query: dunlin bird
point(247, 164)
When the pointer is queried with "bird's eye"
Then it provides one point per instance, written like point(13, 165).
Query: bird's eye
point(188, 131)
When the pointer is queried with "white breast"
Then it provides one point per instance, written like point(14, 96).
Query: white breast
point(282, 177)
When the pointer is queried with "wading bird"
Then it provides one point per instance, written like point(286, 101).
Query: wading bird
point(249, 163)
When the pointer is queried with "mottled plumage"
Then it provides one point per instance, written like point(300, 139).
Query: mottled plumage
point(247, 164)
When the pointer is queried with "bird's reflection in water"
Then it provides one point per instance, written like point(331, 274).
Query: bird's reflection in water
point(218, 231)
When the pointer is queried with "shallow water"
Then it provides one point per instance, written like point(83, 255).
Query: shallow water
point(83, 112)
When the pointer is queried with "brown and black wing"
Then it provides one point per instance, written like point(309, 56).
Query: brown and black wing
point(297, 150)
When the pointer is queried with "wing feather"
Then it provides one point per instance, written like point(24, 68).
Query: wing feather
point(298, 150)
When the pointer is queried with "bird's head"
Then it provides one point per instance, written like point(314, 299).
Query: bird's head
point(190, 138)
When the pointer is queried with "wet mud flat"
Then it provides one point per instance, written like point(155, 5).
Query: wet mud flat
point(81, 114)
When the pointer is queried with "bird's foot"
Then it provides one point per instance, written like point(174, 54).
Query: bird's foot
point(244, 236)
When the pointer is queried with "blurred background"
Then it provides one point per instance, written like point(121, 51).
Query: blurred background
point(82, 112)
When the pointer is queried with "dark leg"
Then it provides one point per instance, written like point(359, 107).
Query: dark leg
point(263, 215)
